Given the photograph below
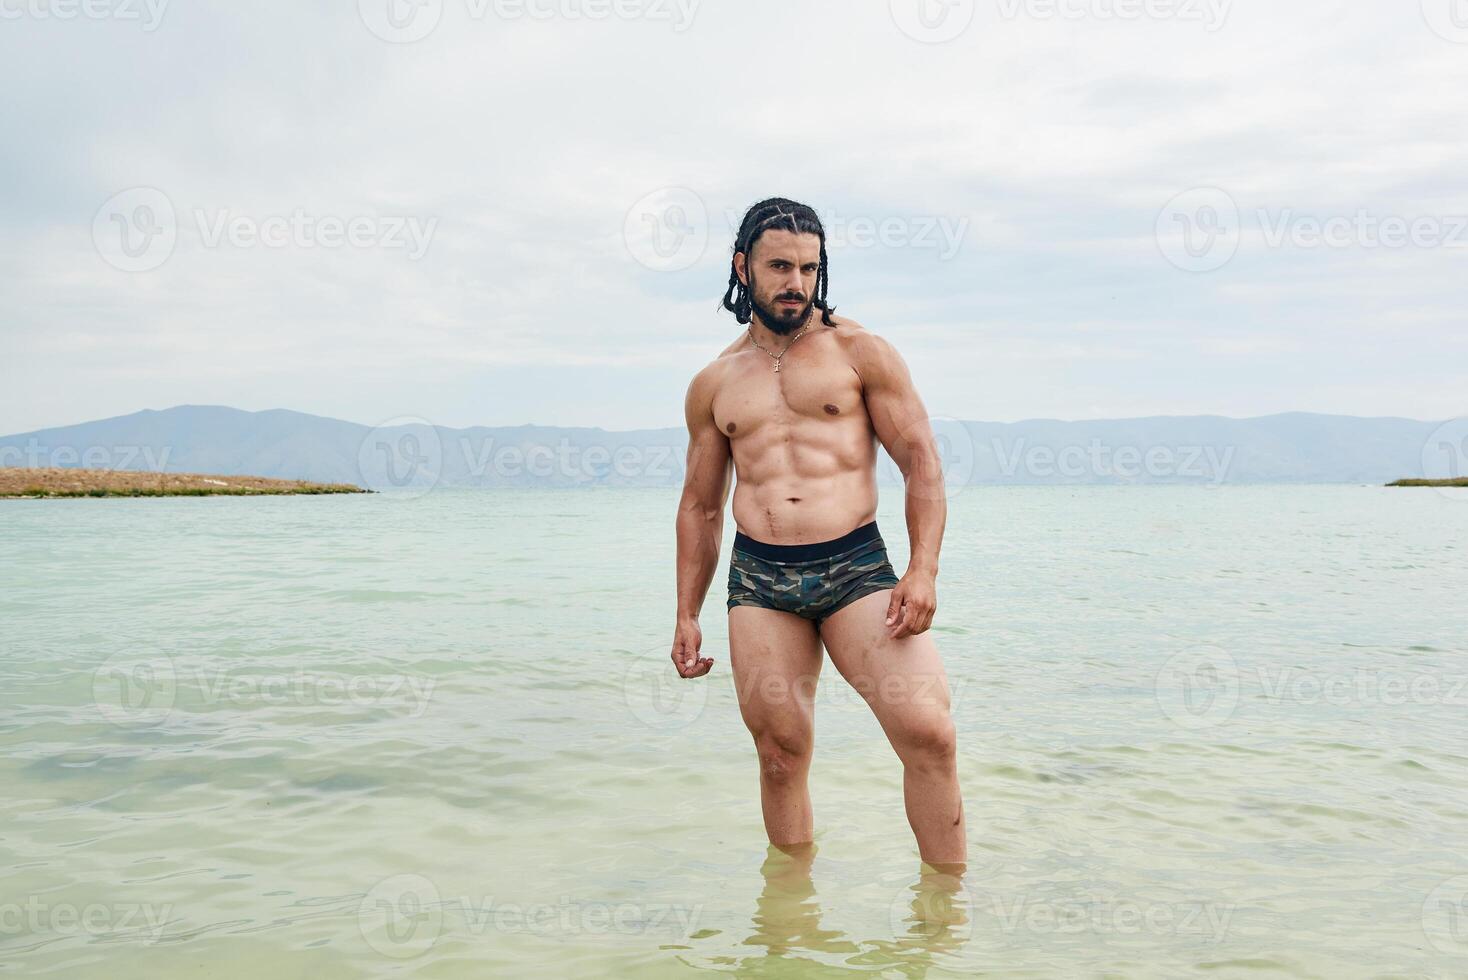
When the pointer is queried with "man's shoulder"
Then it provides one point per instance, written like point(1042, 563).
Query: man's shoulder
point(707, 379)
point(859, 343)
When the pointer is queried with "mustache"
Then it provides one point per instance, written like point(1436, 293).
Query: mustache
point(796, 297)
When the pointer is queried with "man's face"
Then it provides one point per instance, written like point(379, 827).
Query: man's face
point(781, 276)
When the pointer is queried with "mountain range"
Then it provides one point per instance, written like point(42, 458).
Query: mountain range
point(407, 454)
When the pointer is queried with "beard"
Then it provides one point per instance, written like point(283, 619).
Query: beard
point(781, 322)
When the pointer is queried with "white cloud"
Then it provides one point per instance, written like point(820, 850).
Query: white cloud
point(1053, 143)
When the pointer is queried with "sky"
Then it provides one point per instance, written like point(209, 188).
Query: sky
point(501, 212)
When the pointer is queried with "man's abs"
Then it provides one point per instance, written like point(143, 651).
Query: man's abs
point(792, 510)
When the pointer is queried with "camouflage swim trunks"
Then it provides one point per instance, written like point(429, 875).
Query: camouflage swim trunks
point(810, 580)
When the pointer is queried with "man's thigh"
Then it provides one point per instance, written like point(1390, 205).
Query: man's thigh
point(901, 679)
point(776, 659)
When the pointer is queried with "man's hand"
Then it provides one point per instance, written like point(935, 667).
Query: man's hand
point(914, 600)
point(687, 641)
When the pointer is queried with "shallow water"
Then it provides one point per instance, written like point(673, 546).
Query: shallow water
point(1202, 731)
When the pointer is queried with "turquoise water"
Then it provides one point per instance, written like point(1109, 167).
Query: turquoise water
point(1209, 732)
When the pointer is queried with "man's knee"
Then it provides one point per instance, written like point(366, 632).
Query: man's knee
point(784, 756)
point(929, 743)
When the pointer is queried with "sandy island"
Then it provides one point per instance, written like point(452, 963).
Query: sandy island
point(28, 482)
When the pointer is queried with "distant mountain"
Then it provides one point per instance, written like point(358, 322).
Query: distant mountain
point(1290, 448)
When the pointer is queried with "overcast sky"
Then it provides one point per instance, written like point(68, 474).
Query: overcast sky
point(511, 211)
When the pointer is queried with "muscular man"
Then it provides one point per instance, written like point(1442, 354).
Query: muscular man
point(797, 404)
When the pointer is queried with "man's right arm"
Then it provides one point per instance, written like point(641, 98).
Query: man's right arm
point(700, 520)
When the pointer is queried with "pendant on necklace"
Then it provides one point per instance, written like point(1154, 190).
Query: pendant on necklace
point(777, 367)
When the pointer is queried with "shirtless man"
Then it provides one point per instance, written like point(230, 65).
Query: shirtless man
point(797, 404)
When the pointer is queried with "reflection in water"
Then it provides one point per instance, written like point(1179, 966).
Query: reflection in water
point(931, 916)
point(938, 920)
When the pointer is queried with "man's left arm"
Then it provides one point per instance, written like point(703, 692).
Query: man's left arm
point(901, 424)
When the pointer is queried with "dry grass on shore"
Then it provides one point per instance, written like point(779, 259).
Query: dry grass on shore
point(28, 482)
point(1459, 482)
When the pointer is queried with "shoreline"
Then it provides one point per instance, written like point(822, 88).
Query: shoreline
point(57, 483)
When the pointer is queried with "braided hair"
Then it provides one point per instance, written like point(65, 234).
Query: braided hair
point(785, 215)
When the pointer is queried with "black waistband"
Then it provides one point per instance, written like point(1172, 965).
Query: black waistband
point(806, 552)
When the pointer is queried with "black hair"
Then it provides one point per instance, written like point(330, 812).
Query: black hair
point(786, 215)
